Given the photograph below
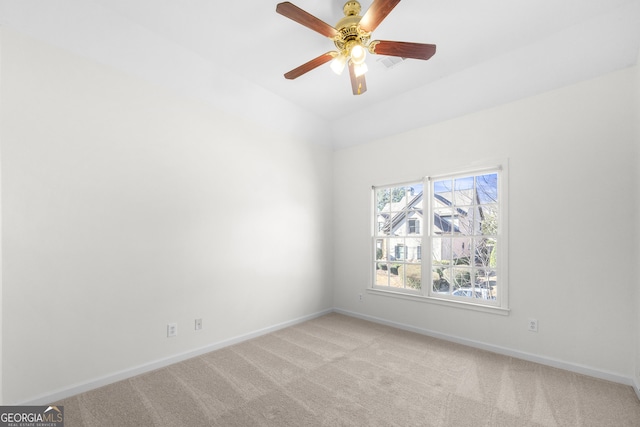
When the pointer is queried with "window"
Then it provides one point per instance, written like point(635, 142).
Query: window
point(465, 235)
point(398, 241)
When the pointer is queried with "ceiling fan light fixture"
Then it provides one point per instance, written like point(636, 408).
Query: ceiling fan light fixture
point(360, 69)
point(338, 63)
point(358, 54)
point(352, 38)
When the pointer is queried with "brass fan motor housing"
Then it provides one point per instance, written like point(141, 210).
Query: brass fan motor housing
point(349, 31)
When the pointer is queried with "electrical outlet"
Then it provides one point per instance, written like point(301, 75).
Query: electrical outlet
point(533, 325)
point(198, 324)
point(172, 330)
point(360, 298)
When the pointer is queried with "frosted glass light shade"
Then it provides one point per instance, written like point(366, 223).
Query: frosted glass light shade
point(358, 54)
point(338, 63)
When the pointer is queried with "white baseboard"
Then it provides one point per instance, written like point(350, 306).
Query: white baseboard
point(572, 367)
point(55, 396)
point(636, 387)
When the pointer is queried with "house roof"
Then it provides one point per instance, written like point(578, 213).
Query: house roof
point(415, 205)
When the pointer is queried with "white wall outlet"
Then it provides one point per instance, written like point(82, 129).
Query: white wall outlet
point(360, 298)
point(533, 325)
point(172, 330)
point(198, 324)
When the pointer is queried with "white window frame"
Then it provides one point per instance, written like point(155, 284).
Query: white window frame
point(426, 294)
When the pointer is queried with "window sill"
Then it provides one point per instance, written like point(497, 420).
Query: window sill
point(440, 301)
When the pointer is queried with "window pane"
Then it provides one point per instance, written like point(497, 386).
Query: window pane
point(461, 277)
point(488, 219)
point(464, 194)
point(397, 200)
point(493, 256)
point(410, 195)
point(461, 251)
point(414, 250)
point(492, 285)
point(397, 249)
point(412, 276)
point(440, 283)
point(486, 278)
point(442, 192)
point(382, 199)
point(444, 221)
point(465, 221)
point(382, 274)
point(440, 250)
point(443, 214)
point(487, 188)
point(486, 254)
point(486, 284)
point(381, 249)
point(396, 279)
point(417, 188)
point(382, 225)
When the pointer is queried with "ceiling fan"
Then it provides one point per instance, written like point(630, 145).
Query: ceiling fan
point(352, 38)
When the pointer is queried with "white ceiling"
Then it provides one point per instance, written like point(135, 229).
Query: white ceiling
point(234, 55)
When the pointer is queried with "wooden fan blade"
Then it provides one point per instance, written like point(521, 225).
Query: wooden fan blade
point(403, 49)
point(305, 68)
point(376, 13)
point(294, 13)
point(358, 84)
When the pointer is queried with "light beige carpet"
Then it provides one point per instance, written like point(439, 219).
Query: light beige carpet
point(340, 371)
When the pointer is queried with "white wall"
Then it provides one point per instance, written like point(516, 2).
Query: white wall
point(572, 212)
point(126, 207)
